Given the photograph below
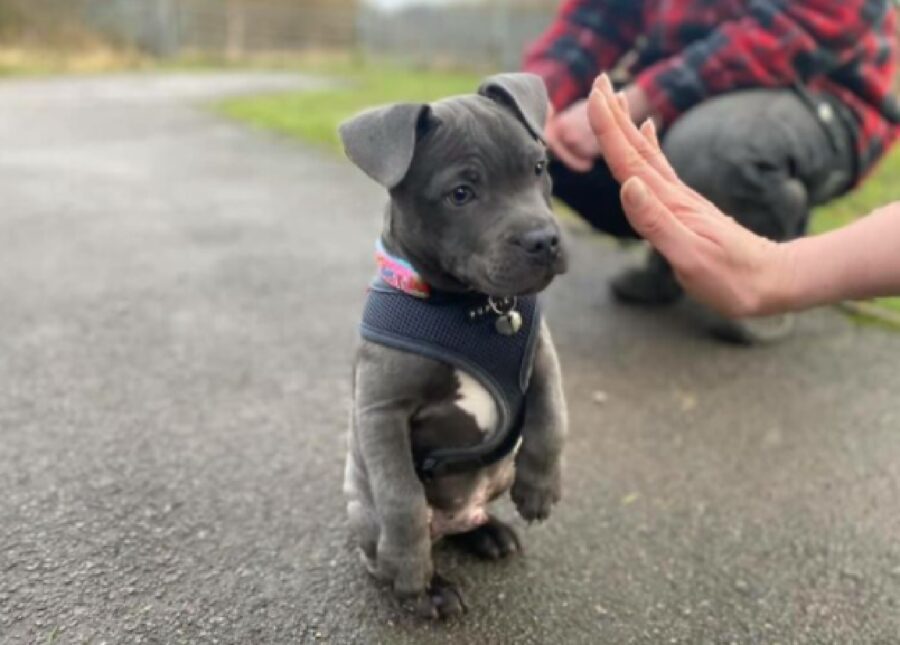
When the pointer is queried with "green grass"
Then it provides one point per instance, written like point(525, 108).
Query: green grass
point(881, 188)
point(314, 116)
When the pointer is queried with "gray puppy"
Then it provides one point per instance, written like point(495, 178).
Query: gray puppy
point(457, 388)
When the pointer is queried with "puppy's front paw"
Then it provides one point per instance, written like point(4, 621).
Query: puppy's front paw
point(535, 495)
point(409, 571)
point(442, 599)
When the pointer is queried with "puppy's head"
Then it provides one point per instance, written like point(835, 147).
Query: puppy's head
point(470, 193)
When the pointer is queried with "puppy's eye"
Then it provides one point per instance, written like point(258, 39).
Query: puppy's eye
point(460, 196)
point(540, 167)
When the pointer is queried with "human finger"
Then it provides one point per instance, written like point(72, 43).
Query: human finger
point(648, 129)
point(622, 157)
point(653, 220)
point(658, 157)
point(618, 104)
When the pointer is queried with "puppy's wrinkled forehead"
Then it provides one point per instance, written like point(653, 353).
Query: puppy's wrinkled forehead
point(474, 130)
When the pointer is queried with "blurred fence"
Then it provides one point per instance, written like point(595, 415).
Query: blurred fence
point(489, 35)
point(173, 27)
point(470, 35)
point(222, 27)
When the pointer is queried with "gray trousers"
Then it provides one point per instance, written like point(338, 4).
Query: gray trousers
point(765, 157)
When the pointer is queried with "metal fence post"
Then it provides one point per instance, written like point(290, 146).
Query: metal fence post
point(165, 40)
point(235, 30)
point(508, 56)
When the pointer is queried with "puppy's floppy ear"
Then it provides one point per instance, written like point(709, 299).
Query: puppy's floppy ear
point(381, 141)
point(524, 94)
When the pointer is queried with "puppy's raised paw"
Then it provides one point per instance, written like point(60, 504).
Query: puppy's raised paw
point(534, 500)
point(442, 600)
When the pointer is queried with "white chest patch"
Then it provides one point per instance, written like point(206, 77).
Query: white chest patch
point(474, 399)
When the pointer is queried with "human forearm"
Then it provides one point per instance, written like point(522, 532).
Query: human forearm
point(859, 261)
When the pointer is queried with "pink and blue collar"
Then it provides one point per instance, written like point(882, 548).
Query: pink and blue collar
point(399, 273)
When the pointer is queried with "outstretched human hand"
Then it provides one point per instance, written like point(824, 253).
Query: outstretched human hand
point(718, 261)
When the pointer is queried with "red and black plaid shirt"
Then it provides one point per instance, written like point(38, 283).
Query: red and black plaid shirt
point(690, 50)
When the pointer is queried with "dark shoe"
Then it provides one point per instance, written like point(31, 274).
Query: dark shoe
point(652, 284)
point(753, 331)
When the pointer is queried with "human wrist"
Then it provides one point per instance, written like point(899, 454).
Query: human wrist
point(787, 288)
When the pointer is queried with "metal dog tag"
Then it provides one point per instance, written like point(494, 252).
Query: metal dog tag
point(509, 323)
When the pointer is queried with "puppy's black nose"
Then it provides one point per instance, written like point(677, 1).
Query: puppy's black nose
point(541, 243)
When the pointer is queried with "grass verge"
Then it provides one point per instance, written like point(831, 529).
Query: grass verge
point(314, 116)
point(28, 61)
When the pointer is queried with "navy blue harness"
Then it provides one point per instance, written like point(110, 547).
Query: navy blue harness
point(459, 329)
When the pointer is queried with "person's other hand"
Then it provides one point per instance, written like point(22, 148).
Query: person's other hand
point(569, 134)
point(570, 138)
point(717, 261)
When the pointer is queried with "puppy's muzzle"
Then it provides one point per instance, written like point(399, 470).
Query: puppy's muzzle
point(541, 244)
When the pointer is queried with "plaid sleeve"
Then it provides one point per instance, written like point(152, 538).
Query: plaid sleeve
point(585, 38)
point(775, 44)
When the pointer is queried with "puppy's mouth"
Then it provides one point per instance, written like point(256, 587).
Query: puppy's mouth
point(520, 279)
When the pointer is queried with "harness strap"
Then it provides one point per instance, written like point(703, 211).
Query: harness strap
point(452, 461)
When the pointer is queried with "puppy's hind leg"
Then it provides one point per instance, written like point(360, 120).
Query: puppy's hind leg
point(492, 541)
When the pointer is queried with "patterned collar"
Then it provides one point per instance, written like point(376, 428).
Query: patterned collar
point(399, 273)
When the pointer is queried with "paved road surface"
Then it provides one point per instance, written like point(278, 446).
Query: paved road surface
point(178, 301)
